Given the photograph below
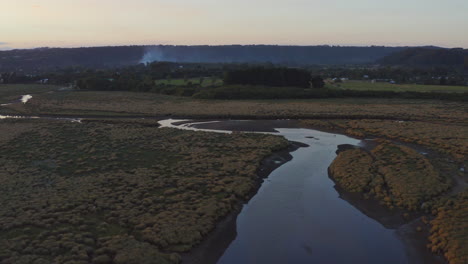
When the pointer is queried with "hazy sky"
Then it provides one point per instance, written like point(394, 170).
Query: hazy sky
point(66, 23)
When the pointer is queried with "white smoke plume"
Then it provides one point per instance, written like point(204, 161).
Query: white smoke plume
point(153, 54)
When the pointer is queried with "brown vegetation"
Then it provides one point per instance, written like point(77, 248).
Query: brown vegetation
point(117, 192)
point(449, 232)
point(124, 103)
point(352, 170)
point(397, 175)
point(445, 137)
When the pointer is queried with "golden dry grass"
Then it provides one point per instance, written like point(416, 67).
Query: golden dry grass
point(446, 137)
point(449, 232)
point(396, 175)
point(117, 191)
point(399, 176)
point(120, 103)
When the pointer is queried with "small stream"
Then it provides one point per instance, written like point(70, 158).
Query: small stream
point(297, 216)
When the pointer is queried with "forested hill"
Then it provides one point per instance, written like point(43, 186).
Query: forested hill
point(427, 57)
point(44, 59)
point(47, 59)
point(292, 55)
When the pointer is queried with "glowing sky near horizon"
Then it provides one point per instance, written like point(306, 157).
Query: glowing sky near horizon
point(71, 23)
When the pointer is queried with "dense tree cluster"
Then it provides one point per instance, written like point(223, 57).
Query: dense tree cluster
point(276, 77)
point(14, 77)
point(142, 78)
point(436, 75)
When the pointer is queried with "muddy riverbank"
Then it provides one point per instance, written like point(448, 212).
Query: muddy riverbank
point(414, 242)
point(214, 245)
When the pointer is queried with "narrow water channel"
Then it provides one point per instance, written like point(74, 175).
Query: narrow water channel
point(298, 217)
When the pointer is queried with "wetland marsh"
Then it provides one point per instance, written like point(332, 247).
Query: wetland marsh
point(103, 190)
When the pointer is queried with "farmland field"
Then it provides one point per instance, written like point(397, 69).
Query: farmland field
point(383, 86)
point(203, 82)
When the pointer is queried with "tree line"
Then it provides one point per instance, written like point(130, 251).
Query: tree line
point(275, 76)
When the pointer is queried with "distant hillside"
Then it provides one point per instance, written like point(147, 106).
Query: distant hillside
point(427, 57)
point(43, 59)
point(46, 59)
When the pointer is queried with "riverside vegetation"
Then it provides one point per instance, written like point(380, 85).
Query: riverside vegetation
point(443, 132)
point(399, 176)
point(118, 191)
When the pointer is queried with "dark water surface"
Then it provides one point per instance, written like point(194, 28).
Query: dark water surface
point(298, 217)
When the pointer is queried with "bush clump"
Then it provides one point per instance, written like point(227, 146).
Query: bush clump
point(396, 175)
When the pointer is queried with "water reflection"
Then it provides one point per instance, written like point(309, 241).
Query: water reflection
point(297, 216)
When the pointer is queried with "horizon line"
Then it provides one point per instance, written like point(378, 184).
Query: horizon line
point(225, 45)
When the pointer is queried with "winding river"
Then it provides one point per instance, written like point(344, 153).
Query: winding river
point(297, 216)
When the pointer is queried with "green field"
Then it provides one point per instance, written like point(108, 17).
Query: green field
point(11, 92)
point(205, 82)
point(381, 86)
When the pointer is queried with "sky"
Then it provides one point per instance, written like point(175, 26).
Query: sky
point(75, 23)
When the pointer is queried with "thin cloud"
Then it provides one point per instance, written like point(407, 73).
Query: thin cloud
point(4, 47)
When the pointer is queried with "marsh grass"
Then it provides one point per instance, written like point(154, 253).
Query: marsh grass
point(118, 191)
point(10, 92)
